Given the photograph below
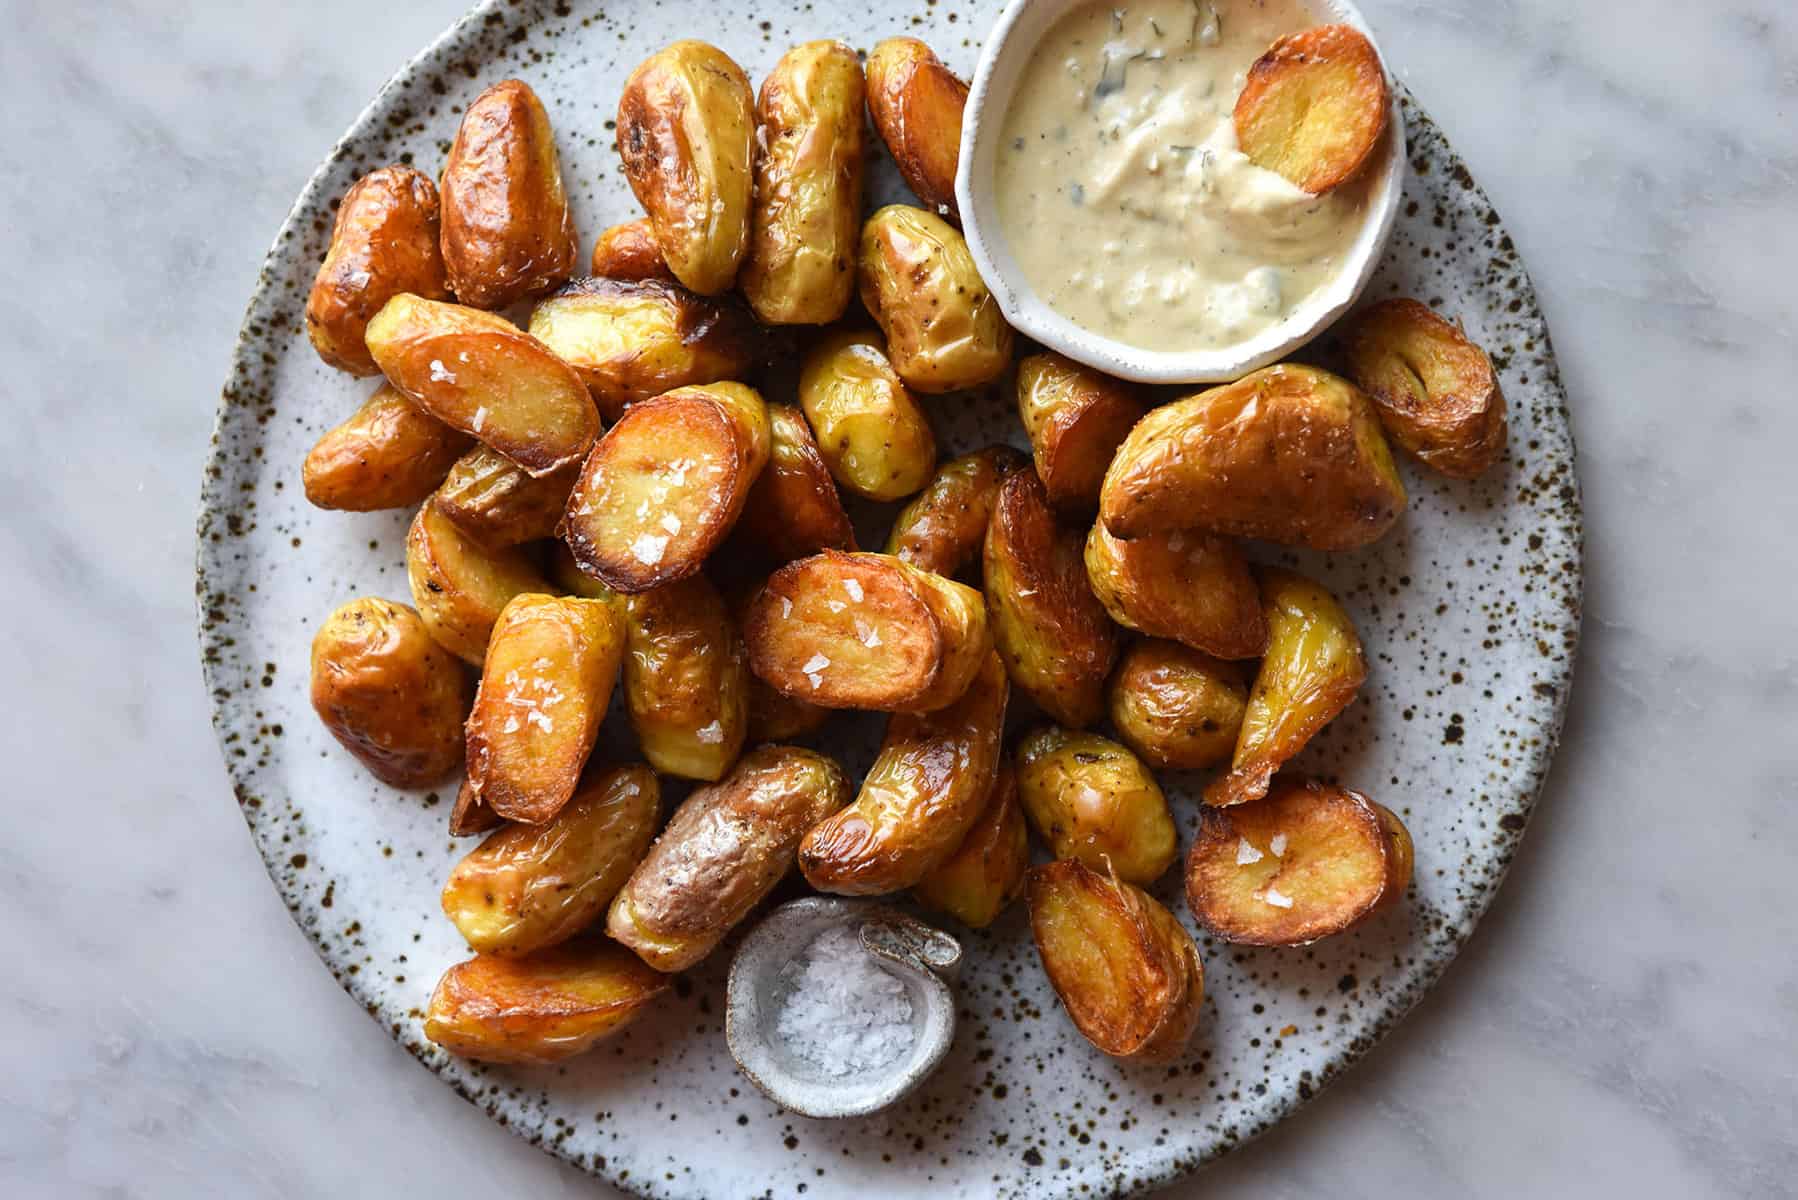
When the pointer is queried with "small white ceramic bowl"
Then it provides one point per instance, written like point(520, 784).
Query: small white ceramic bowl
point(1008, 49)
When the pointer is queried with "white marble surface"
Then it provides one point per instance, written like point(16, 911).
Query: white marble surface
point(1624, 1023)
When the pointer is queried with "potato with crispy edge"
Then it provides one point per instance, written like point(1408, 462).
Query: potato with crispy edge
point(774, 716)
point(1185, 585)
point(866, 631)
point(389, 694)
point(498, 503)
point(388, 454)
point(384, 242)
point(724, 849)
point(1307, 861)
point(1091, 799)
point(1314, 106)
point(1126, 970)
point(686, 133)
point(871, 430)
point(686, 679)
point(1289, 454)
point(1176, 707)
point(531, 886)
point(944, 330)
point(629, 251)
point(460, 586)
point(1076, 419)
point(539, 1008)
point(483, 375)
point(986, 872)
point(794, 509)
point(469, 815)
point(548, 678)
point(1434, 389)
point(923, 794)
point(665, 485)
point(944, 527)
point(916, 103)
point(1313, 667)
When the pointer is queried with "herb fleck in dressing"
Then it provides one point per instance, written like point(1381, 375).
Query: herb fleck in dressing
point(1122, 191)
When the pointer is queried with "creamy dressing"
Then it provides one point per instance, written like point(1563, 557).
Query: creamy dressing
point(1124, 197)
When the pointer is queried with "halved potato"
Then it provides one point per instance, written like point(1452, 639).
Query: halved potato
point(774, 716)
point(498, 503)
point(1314, 107)
point(1076, 419)
point(629, 251)
point(794, 509)
point(460, 586)
point(1177, 707)
point(1189, 586)
point(986, 872)
point(1091, 799)
point(944, 330)
point(872, 432)
point(389, 454)
point(916, 104)
point(944, 528)
point(469, 815)
point(686, 678)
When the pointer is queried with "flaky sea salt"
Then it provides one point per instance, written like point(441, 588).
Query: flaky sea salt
point(711, 734)
point(854, 588)
point(1246, 852)
point(1278, 845)
point(1277, 898)
point(843, 1011)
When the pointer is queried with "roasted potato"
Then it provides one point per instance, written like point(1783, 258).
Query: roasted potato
point(794, 509)
point(388, 693)
point(724, 849)
point(460, 586)
point(632, 340)
point(1307, 861)
point(944, 330)
point(389, 454)
point(1288, 454)
point(666, 484)
point(944, 528)
point(570, 579)
point(531, 886)
point(774, 716)
point(483, 375)
point(866, 631)
point(383, 243)
point(686, 678)
point(808, 187)
point(986, 872)
point(1076, 419)
point(469, 815)
point(686, 130)
point(1124, 967)
point(1057, 643)
point(1313, 668)
point(1178, 708)
point(539, 1008)
point(1435, 391)
point(1314, 107)
point(1189, 586)
point(550, 670)
point(916, 103)
point(923, 794)
point(507, 231)
point(497, 502)
point(1091, 799)
point(629, 251)
point(871, 430)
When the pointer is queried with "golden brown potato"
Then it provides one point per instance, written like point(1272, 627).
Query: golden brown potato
point(1288, 454)
point(686, 679)
point(943, 328)
point(507, 231)
point(1186, 585)
point(866, 631)
point(1307, 861)
point(1314, 107)
point(483, 375)
point(1057, 642)
point(1091, 799)
point(571, 579)
point(808, 187)
point(666, 484)
point(945, 526)
point(794, 509)
point(920, 798)
point(531, 886)
point(916, 104)
point(986, 872)
point(1076, 419)
point(384, 243)
point(871, 430)
point(773, 716)
point(539, 1008)
point(629, 251)
point(497, 503)
point(388, 693)
point(1435, 391)
point(1125, 969)
point(469, 815)
point(550, 670)
point(1178, 708)
point(630, 341)
point(1313, 668)
point(387, 455)
point(724, 849)
point(686, 129)
point(460, 586)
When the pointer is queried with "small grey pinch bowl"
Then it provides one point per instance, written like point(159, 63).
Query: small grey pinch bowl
point(918, 954)
point(1008, 49)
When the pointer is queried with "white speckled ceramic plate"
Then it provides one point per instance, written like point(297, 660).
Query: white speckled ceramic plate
point(1470, 610)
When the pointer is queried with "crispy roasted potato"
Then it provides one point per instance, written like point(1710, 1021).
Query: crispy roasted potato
point(531, 886)
point(724, 849)
point(773, 716)
point(866, 631)
point(1435, 391)
point(571, 579)
point(1314, 107)
point(1177, 707)
point(388, 693)
point(916, 103)
point(497, 502)
point(469, 815)
point(460, 586)
point(1307, 861)
point(550, 670)
point(1186, 585)
point(871, 430)
point(944, 528)
point(1076, 419)
point(629, 251)
point(1091, 799)
point(666, 484)
point(923, 794)
point(1057, 642)
point(1124, 967)
point(986, 872)
point(539, 1008)
point(944, 330)
point(686, 678)
point(389, 454)
point(794, 509)
point(632, 340)
point(1289, 454)
point(808, 187)
point(483, 375)
point(686, 131)
point(1313, 668)
point(384, 243)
